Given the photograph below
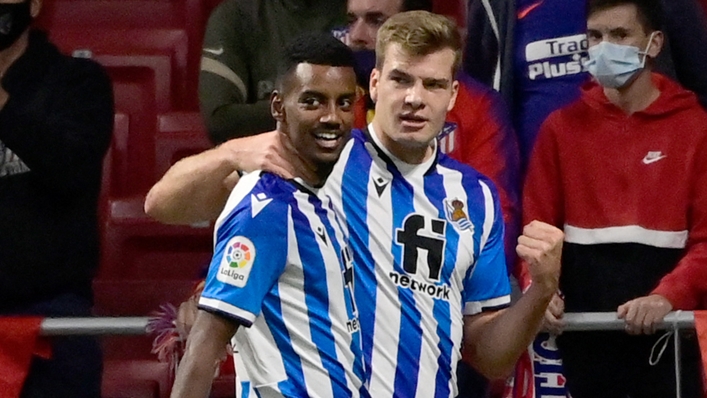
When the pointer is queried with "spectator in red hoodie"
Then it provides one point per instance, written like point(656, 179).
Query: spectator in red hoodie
point(623, 171)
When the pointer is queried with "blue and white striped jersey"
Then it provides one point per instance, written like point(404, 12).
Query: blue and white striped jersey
point(428, 249)
point(281, 268)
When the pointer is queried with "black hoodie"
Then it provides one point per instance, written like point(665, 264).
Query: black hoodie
point(54, 132)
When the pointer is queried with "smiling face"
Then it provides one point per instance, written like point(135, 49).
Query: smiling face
point(413, 95)
point(315, 110)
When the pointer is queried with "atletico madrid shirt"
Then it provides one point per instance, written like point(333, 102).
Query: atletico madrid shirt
point(282, 270)
point(428, 249)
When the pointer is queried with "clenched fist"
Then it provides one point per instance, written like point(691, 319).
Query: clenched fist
point(540, 246)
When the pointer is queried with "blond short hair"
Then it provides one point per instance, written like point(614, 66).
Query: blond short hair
point(419, 33)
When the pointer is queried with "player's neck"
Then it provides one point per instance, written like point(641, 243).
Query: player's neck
point(406, 153)
point(313, 174)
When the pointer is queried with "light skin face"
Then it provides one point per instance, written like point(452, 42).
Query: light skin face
point(412, 95)
point(315, 111)
point(621, 25)
point(364, 19)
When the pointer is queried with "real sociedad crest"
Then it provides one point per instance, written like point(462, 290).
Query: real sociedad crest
point(454, 210)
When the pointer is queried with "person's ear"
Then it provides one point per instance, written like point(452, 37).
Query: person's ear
point(373, 85)
point(35, 6)
point(656, 44)
point(455, 91)
point(277, 107)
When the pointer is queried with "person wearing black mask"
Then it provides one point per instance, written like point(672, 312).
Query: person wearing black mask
point(56, 120)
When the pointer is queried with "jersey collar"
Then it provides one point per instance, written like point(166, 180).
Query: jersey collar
point(406, 169)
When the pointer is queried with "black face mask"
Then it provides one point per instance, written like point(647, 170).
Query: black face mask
point(14, 20)
point(365, 62)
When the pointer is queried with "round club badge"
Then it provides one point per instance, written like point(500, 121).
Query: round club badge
point(240, 253)
point(237, 261)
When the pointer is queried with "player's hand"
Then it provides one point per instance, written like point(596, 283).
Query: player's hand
point(266, 151)
point(644, 314)
point(553, 321)
point(540, 246)
point(230, 182)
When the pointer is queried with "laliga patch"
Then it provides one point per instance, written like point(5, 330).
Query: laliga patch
point(237, 261)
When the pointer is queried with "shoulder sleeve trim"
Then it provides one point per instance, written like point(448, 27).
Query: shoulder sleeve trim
point(243, 317)
point(497, 303)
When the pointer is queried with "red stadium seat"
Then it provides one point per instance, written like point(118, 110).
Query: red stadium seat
point(113, 13)
point(119, 297)
point(132, 150)
point(136, 379)
point(134, 246)
point(162, 50)
point(124, 15)
point(179, 134)
point(135, 298)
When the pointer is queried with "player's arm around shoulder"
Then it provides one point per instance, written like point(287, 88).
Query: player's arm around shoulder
point(196, 188)
point(494, 341)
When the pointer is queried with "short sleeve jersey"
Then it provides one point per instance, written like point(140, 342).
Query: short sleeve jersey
point(428, 249)
point(282, 270)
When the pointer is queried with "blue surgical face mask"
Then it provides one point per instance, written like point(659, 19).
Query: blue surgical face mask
point(615, 65)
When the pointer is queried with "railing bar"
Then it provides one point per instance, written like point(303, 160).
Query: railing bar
point(94, 326)
point(594, 321)
point(587, 321)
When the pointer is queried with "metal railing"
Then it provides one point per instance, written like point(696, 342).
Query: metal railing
point(93, 326)
point(574, 322)
point(674, 322)
point(593, 321)
point(586, 321)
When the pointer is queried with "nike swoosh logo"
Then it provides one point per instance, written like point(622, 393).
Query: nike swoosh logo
point(647, 160)
point(214, 52)
point(524, 12)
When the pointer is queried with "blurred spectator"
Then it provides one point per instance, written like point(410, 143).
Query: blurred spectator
point(477, 132)
point(532, 52)
point(623, 171)
point(56, 119)
point(242, 43)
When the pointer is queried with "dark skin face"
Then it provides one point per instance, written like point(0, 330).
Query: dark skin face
point(315, 113)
